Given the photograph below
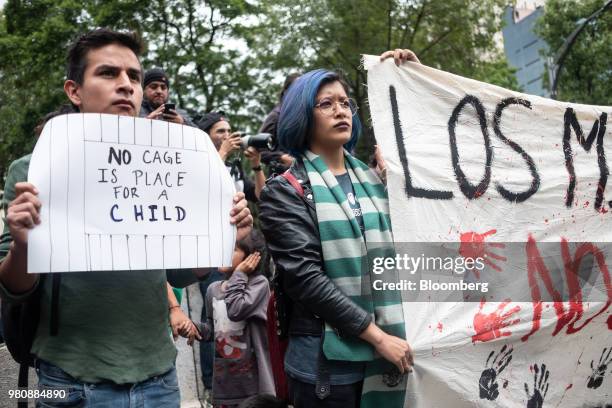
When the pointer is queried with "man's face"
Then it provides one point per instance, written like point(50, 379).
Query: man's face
point(156, 93)
point(111, 82)
point(219, 132)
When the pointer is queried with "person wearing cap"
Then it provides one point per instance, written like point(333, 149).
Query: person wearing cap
point(156, 91)
point(217, 125)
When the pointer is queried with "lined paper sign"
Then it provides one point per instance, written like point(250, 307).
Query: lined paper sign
point(125, 193)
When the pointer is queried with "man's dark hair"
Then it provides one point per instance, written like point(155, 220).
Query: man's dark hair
point(101, 37)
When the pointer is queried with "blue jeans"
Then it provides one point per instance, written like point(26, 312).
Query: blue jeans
point(158, 391)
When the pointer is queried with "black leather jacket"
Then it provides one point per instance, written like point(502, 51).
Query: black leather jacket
point(289, 223)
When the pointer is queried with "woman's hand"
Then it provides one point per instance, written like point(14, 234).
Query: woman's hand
point(286, 160)
point(400, 56)
point(396, 351)
point(381, 166)
point(250, 263)
point(391, 348)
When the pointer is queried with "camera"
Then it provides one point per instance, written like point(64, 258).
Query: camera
point(258, 141)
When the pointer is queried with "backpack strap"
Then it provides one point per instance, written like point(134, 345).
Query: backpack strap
point(287, 175)
point(22, 383)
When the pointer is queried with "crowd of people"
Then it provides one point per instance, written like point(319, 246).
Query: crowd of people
point(106, 338)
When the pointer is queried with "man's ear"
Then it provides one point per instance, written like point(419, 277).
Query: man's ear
point(72, 90)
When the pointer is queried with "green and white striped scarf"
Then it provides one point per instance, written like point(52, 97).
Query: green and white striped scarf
point(347, 258)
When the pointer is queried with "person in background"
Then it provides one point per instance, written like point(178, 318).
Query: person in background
point(218, 127)
point(236, 319)
point(156, 94)
point(278, 160)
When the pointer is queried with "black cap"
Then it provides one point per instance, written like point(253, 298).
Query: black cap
point(155, 74)
point(210, 119)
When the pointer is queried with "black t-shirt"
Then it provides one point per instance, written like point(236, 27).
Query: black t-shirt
point(345, 182)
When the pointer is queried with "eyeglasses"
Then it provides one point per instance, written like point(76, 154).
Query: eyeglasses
point(328, 106)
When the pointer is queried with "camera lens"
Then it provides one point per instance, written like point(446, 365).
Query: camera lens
point(259, 141)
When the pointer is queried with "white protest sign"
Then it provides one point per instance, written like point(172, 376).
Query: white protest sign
point(518, 181)
point(125, 193)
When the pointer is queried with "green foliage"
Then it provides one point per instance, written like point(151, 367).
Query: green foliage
point(34, 37)
point(187, 38)
point(452, 35)
point(192, 41)
point(586, 76)
point(234, 54)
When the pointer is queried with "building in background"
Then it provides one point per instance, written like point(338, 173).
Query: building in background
point(524, 48)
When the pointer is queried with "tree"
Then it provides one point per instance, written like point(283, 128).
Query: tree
point(586, 76)
point(202, 47)
point(452, 35)
point(34, 36)
point(188, 38)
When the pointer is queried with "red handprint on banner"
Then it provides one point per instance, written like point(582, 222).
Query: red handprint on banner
point(488, 326)
point(473, 246)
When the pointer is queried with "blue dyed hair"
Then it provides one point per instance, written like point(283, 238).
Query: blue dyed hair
point(296, 116)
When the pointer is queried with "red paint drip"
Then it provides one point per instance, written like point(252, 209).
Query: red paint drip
point(440, 326)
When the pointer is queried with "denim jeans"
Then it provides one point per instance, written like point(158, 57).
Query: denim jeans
point(158, 391)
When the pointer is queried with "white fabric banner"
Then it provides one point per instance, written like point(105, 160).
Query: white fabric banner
point(498, 173)
point(125, 193)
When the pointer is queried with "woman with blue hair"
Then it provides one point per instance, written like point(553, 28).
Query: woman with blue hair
point(324, 220)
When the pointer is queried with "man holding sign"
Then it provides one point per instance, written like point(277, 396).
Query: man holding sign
point(112, 327)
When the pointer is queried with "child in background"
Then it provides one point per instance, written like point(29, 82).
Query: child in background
point(236, 317)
